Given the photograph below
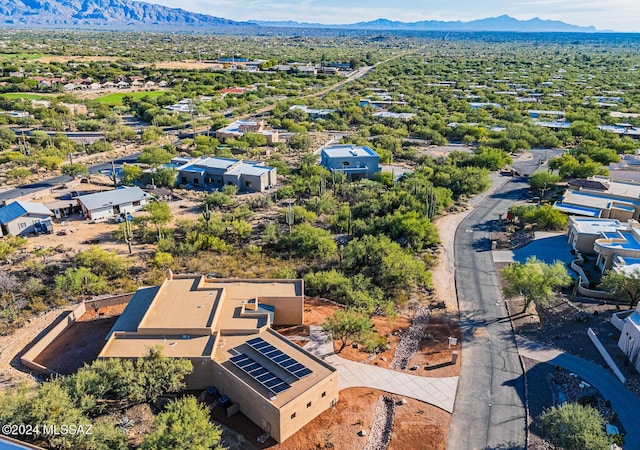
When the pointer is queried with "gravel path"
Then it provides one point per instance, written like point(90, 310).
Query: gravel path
point(410, 339)
point(382, 426)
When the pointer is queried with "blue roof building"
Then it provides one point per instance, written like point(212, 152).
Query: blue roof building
point(22, 218)
point(353, 160)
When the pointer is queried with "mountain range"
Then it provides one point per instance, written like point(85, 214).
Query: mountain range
point(501, 23)
point(110, 14)
point(127, 14)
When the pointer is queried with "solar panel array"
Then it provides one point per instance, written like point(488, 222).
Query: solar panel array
point(259, 373)
point(279, 358)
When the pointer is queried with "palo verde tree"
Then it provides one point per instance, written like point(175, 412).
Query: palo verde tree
point(623, 285)
point(159, 214)
point(535, 280)
point(348, 326)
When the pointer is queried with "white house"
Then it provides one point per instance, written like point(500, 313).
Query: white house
point(629, 341)
point(102, 206)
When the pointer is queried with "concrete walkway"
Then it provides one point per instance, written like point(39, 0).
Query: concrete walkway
point(623, 401)
point(440, 392)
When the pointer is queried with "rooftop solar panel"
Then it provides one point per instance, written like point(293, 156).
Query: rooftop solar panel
point(279, 358)
point(259, 373)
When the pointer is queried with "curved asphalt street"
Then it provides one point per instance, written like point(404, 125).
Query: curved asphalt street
point(489, 411)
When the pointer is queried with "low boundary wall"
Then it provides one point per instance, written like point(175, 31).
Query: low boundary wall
point(605, 354)
point(28, 358)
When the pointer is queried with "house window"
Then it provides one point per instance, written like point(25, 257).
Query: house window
point(22, 225)
point(196, 181)
point(184, 180)
point(136, 203)
point(345, 163)
point(293, 416)
point(248, 183)
point(309, 405)
point(324, 394)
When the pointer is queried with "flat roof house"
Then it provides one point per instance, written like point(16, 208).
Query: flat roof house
point(353, 160)
point(583, 231)
point(224, 327)
point(238, 128)
point(251, 176)
point(602, 197)
point(21, 218)
point(614, 247)
point(105, 205)
point(313, 113)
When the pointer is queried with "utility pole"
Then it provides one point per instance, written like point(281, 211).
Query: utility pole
point(113, 175)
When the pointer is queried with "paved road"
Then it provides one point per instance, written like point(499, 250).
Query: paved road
point(489, 411)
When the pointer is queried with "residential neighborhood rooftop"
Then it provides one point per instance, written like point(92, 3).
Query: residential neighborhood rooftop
point(120, 195)
point(344, 151)
point(19, 208)
point(596, 226)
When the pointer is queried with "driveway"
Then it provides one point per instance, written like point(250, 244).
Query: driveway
point(546, 246)
point(438, 392)
point(623, 401)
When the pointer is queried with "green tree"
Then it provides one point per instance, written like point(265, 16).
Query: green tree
point(411, 229)
point(541, 181)
point(490, 158)
point(623, 285)
point(130, 174)
point(79, 281)
point(73, 170)
point(535, 280)
point(385, 262)
point(150, 135)
point(185, 424)
point(162, 260)
point(547, 217)
point(573, 426)
point(348, 326)
point(164, 176)
point(99, 147)
point(255, 139)
point(155, 156)
point(309, 242)
point(159, 214)
point(102, 262)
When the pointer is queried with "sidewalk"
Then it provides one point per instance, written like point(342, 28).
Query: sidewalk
point(623, 401)
point(440, 392)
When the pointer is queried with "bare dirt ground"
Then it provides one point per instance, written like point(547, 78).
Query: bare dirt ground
point(13, 345)
point(78, 345)
point(81, 342)
point(433, 354)
point(417, 425)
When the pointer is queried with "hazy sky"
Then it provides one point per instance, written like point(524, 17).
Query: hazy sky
point(618, 15)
